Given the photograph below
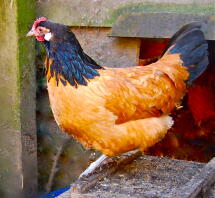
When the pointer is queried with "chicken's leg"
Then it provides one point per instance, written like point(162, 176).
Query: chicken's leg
point(101, 168)
point(91, 168)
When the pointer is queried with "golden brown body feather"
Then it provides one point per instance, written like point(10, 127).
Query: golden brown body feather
point(123, 108)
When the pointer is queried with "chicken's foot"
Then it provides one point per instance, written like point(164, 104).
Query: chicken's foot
point(101, 168)
point(92, 167)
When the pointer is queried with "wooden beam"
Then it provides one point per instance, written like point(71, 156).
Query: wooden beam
point(199, 184)
point(149, 176)
point(110, 166)
point(18, 159)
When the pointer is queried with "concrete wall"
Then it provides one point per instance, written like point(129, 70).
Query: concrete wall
point(104, 13)
point(108, 51)
point(18, 165)
point(160, 25)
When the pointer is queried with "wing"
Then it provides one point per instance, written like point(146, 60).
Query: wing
point(141, 92)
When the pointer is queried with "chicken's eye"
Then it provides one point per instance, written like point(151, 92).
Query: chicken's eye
point(39, 29)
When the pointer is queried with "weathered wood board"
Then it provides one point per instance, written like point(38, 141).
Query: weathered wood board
point(154, 177)
point(18, 145)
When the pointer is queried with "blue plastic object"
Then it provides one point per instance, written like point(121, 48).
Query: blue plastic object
point(55, 193)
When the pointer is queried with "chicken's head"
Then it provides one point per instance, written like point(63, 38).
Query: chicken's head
point(39, 31)
point(45, 30)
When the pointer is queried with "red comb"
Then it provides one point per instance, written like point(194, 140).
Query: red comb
point(37, 22)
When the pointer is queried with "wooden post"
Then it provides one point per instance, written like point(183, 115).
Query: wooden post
point(18, 159)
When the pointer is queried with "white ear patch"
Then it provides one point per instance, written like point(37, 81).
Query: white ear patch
point(48, 36)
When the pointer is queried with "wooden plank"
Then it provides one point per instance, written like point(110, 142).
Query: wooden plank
point(27, 93)
point(149, 176)
point(159, 25)
point(200, 183)
point(10, 145)
point(84, 184)
point(18, 157)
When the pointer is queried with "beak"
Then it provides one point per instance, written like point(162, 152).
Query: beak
point(30, 33)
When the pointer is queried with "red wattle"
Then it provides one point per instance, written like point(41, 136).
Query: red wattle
point(40, 38)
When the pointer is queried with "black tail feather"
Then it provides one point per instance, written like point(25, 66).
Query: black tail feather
point(190, 43)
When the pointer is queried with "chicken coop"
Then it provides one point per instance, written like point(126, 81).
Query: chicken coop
point(37, 158)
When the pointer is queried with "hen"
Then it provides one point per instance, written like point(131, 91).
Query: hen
point(115, 110)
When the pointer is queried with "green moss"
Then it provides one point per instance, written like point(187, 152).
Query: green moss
point(158, 8)
point(26, 16)
point(26, 63)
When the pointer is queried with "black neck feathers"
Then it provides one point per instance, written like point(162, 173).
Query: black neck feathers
point(69, 63)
